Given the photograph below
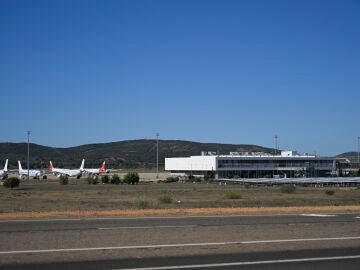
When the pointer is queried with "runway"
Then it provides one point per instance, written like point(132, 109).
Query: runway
point(215, 242)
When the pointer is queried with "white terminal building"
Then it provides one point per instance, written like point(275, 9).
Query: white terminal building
point(251, 165)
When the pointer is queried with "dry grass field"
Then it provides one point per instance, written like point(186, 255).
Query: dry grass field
point(80, 197)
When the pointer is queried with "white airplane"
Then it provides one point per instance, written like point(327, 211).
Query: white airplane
point(32, 173)
point(95, 171)
point(67, 172)
point(3, 173)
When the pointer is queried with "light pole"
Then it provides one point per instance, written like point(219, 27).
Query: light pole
point(157, 155)
point(276, 144)
point(358, 153)
point(28, 153)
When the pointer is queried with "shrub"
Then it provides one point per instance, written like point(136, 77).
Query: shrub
point(288, 189)
point(165, 199)
point(141, 203)
point(247, 185)
point(64, 180)
point(11, 182)
point(232, 195)
point(105, 179)
point(44, 177)
point(172, 179)
point(304, 184)
point(209, 176)
point(92, 180)
point(131, 178)
point(329, 192)
point(115, 179)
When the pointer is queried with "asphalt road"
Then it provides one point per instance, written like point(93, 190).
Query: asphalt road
point(225, 242)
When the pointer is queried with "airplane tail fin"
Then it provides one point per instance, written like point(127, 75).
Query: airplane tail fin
point(51, 166)
point(82, 165)
point(20, 168)
point(102, 167)
point(6, 165)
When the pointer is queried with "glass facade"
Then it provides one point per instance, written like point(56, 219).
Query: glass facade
point(270, 164)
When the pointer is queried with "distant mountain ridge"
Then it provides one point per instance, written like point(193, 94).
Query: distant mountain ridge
point(130, 153)
point(348, 154)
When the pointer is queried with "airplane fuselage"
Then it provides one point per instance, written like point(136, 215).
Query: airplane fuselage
point(92, 171)
point(32, 173)
point(66, 172)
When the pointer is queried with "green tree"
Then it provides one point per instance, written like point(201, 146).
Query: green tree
point(105, 179)
point(131, 178)
point(115, 179)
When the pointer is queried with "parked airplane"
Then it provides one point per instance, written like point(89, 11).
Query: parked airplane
point(94, 171)
point(67, 172)
point(3, 173)
point(32, 173)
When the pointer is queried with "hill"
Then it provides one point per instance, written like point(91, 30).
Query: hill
point(348, 154)
point(352, 157)
point(130, 153)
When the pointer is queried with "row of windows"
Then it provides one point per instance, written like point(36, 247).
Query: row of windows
point(274, 163)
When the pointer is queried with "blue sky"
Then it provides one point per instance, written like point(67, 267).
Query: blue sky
point(78, 72)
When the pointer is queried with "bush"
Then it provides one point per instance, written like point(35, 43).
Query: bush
point(209, 176)
point(131, 178)
point(196, 179)
point(64, 180)
point(232, 195)
point(115, 179)
point(329, 192)
point(247, 185)
point(44, 177)
point(165, 199)
point(141, 203)
point(92, 180)
point(172, 179)
point(11, 182)
point(105, 179)
point(288, 189)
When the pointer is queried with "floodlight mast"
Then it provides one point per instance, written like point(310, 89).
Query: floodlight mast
point(358, 153)
point(28, 153)
point(157, 155)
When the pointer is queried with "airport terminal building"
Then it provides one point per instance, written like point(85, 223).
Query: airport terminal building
point(288, 164)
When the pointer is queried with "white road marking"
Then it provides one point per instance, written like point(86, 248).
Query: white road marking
point(175, 245)
point(317, 215)
point(300, 240)
point(147, 227)
point(357, 217)
point(119, 247)
point(247, 263)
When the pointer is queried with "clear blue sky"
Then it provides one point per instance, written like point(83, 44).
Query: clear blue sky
point(78, 72)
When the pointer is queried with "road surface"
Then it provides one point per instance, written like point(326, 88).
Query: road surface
point(204, 242)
